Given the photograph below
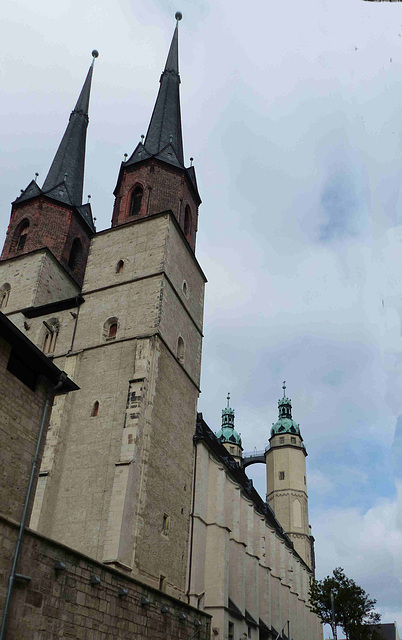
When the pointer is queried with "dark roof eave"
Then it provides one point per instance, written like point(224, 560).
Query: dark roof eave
point(50, 307)
point(37, 360)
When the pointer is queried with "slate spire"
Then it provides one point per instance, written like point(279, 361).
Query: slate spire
point(165, 126)
point(164, 137)
point(65, 179)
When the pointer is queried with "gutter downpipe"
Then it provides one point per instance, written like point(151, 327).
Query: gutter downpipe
point(49, 399)
point(191, 525)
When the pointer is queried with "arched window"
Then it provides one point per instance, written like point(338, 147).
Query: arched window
point(74, 260)
point(120, 266)
point(110, 328)
point(20, 236)
point(52, 328)
point(180, 349)
point(135, 202)
point(4, 295)
point(187, 221)
point(297, 513)
point(95, 409)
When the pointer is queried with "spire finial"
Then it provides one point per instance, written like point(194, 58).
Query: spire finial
point(178, 15)
point(284, 388)
point(228, 398)
point(95, 55)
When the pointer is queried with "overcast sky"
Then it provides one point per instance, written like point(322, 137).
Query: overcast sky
point(291, 111)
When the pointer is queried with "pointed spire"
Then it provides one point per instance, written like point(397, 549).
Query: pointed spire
point(228, 415)
point(285, 422)
point(164, 136)
point(227, 432)
point(285, 405)
point(65, 179)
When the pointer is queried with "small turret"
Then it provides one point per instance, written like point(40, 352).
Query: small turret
point(228, 435)
point(285, 423)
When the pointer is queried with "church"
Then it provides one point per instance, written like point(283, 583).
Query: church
point(131, 476)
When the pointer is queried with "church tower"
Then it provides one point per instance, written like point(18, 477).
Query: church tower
point(53, 217)
point(154, 178)
point(121, 311)
point(286, 479)
point(228, 435)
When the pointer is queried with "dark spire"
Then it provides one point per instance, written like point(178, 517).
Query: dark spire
point(65, 179)
point(164, 138)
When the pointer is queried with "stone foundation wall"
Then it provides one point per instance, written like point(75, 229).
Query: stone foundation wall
point(68, 603)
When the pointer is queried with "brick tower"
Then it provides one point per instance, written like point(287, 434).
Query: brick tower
point(116, 476)
point(54, 218)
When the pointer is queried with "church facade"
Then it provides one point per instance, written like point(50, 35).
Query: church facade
point(123, 478)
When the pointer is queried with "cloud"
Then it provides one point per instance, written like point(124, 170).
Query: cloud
point(368, 545)
point(339, 203)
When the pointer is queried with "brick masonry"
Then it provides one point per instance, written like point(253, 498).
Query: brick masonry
point(52, 225)
point(55, 604)
point(164, 187)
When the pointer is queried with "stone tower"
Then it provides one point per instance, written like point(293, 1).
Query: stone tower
point(116, 476)
point(228, 435)
point(286, 479)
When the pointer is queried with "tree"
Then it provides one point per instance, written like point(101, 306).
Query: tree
point(353, 608)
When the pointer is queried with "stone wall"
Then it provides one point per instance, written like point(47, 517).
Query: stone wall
point(35, 279)
point(244, 569)
point(68, 603)
point(20, 416)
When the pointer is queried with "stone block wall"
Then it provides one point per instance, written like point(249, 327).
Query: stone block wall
point(65, 603)
point(20, 416)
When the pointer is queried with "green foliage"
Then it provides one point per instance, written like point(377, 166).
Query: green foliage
point(354, 610)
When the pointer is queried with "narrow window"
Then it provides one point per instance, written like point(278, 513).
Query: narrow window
point(231, 631)
point(281, 475)
point(75, 258)
point(112, 330)
point(22, 235)
point(51, 334)
point(248, 631)
point(180, 349)
point(281, 439)
point(293, 440)
point(4, 295)
point(166, 524)
point(120, 266)
point(187, 222)
point(136, 199)
point(162, 583)
point(185, 289)
point(95, 409)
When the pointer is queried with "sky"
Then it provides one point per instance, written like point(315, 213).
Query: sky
point(292, 114)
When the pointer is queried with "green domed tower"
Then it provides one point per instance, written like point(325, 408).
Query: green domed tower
point(228, 435)
point(285, 459)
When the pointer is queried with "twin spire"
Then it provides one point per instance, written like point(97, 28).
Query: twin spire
point(164, 136)
point(65, 179)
